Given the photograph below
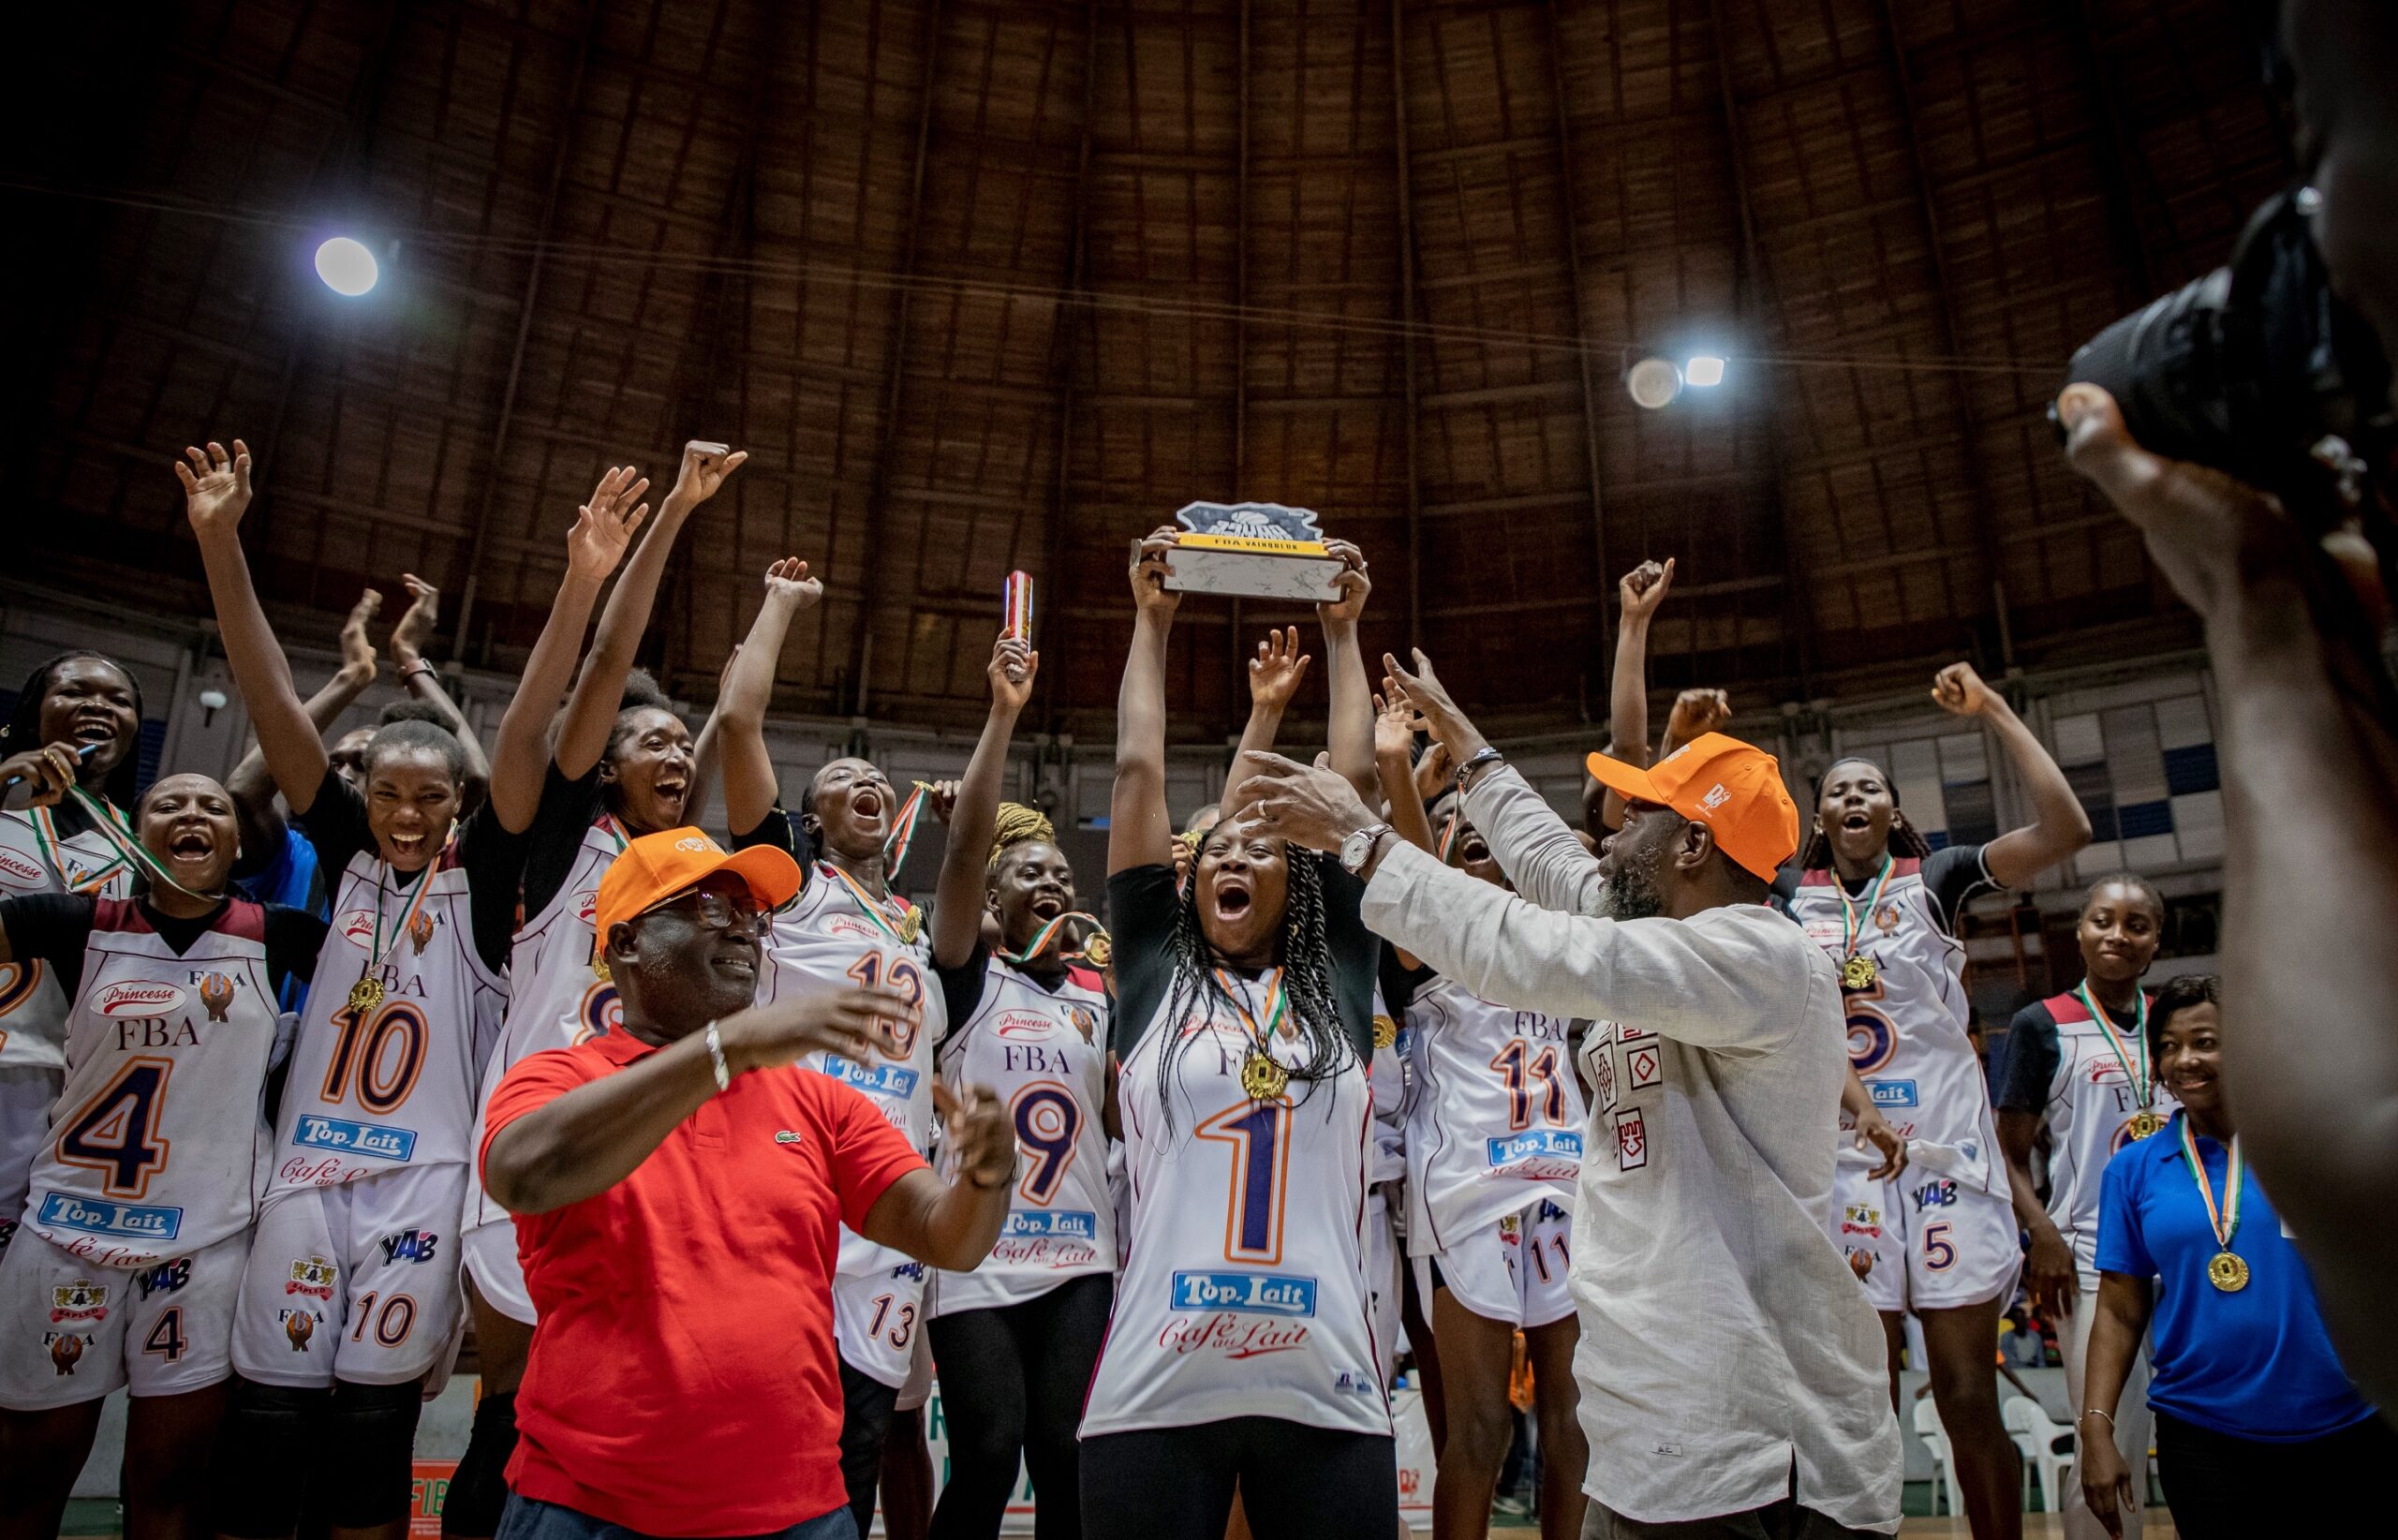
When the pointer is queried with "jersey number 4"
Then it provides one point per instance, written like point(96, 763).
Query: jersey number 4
point(383, 1050)
point(117, 1134)
point(1259, 1133)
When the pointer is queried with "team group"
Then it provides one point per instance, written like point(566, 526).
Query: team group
point(244, 1063)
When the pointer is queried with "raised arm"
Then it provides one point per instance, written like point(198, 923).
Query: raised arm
point(582, 737)
point(954, 1224)
point(1640, 592)
point(251, 788)
point(1395, 725)
point(602, 528)
point(974, 818)
point(419, 678)
point(1139, 832)
point(216, 492)
point(1349, 732)
point(2059, 827)
point(1274, 677)
point(750, 787)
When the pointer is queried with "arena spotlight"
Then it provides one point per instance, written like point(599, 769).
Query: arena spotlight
point(1703, 370)
point(1654, 383)
point(346, 267)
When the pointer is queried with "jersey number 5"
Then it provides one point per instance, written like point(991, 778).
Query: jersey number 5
point(118, 1133)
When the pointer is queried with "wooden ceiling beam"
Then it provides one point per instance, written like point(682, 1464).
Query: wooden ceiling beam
point(1409, 320)
point(2115, 162)
point(479, 547)
point(1235, 674)
point(1066, 329)
point(896, 371)
point(1943, 293)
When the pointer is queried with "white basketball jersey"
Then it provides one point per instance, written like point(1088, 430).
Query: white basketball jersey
point(154, 1148)
point(1244, 1287)
point(1390, 1080)
point(2091, 1103)
point(33, 859)
point(555, 999)
point(838, 935)
point(1046, 1055)
point(391, 1087)
point(1496, 1120)
point(1907, 1029)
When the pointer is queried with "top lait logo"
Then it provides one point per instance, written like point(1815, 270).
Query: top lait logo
point(1251, 521)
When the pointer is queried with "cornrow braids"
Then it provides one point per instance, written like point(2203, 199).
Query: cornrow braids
point(1306, 981)
point(1016, 825)
point(1905, 842)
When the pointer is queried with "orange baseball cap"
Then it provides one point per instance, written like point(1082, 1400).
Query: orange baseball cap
point(1734, 788)
point(657, 866)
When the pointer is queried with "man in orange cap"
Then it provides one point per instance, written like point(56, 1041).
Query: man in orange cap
point(678, 1188)
point(1731, 1370)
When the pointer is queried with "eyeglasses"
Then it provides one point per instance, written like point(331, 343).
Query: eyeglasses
point(742, 915)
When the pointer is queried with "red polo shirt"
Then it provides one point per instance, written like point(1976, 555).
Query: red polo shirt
point(683, 1379)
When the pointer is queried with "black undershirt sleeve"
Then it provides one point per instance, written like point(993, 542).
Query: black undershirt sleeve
point(293, 939)
point(51, 928)
point(336, 824)
point(554, 837)
point(494, 860)
point(961, 987)
point(1399, 982)
point(1141, 906)
point(1356, 952)
point(1952, 877)
point(2032, 1058)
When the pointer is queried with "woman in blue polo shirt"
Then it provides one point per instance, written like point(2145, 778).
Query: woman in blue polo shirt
point(2259, 1430)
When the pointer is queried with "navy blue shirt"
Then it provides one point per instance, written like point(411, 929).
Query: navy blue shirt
point(2255, 1363)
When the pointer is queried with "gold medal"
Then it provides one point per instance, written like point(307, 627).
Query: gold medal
point(1097, 949)
point(912, 924)
point(367, 994)
point(2228, 1272)
point(1857, 972)
point(1264, 1079)
point(1385, 1031)
point(2144, 1124)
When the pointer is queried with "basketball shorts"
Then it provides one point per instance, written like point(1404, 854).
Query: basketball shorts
point(919, 1388)
point(27, 1094)
point(876, 1318)
point(1925, 1241)
point(1384, 1259)
point(358, 1282)
point(490, 1255)
point(1512, 1269)
point(72, 1332)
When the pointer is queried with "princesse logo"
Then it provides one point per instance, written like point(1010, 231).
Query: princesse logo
point(137, 998)
point(20, 868)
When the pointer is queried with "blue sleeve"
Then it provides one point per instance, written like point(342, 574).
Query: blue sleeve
point(2122, 1246)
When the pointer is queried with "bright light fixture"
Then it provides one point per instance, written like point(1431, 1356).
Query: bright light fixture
point(1704, 370)
point(1654, 383)
point(347, 266)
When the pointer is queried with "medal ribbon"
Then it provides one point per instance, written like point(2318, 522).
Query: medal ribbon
point(110, 824)
point(1448, 837)
point(1852, 919)
point(1041, 937)
point(1278, 1006)
point(381, 953)
point(2142, 1090)
point(606, 823)
point(2225, 1219)
point(903, 830)
point(869, 903)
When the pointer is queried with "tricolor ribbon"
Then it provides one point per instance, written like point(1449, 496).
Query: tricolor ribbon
point(876, 909)
point(415, 906)
point(1041, 937)
point(2142, 1090)
point(2224, 1220)
point(1448, 839)
point(1852, 919)
point(111, 826)
point(1278, 1005)
point(903, 831)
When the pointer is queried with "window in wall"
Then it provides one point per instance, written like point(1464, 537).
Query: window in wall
point(2146, 775)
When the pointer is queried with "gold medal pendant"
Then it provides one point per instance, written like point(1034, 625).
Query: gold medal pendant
point(367, 994)
point(1097, 950)
point(1857, 972)
point(1264, 1079)
point(1385, 1031)
point(910, 925)
point(2226, 1271)
point(2144, 1124)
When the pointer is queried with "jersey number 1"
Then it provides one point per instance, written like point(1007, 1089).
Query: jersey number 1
point(1259, 1132)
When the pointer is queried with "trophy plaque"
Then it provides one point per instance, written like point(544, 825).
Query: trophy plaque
point(1254, 551)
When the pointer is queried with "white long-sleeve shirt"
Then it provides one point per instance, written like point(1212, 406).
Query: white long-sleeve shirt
point(1725, 1342)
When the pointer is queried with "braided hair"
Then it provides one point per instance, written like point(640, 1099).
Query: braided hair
point(1904, 840)
point(1306, 959)
point(1018, 824)
point(24, 728)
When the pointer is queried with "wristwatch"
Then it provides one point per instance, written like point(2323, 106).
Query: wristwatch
point(1359, 847)
point(1472, 767)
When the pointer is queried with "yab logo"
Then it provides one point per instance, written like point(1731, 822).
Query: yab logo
point(216, 993)
point(1716, 797)
point(410, 1246)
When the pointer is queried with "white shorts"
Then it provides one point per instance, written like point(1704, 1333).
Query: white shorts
point(490, 1254)
point(73, 1332)
point(919, 1388)
point(1512, 1269)
point(1925, 1241)
point(27, 1094)
point(357, 1282)
point(1384, 1259)
point(877, 1319)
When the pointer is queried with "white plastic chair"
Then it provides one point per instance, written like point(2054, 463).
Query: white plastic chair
point(1935, 1438)
point(2046, 1449)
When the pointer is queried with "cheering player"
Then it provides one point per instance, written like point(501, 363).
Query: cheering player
point(142, 1194)
point(1240, 1350)
point(1016, 1338)
point(351, 1295)
point(622, 765)
point(2078, 1064)
point(846, 927)
point(1943, 1246)
point(70, 745)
